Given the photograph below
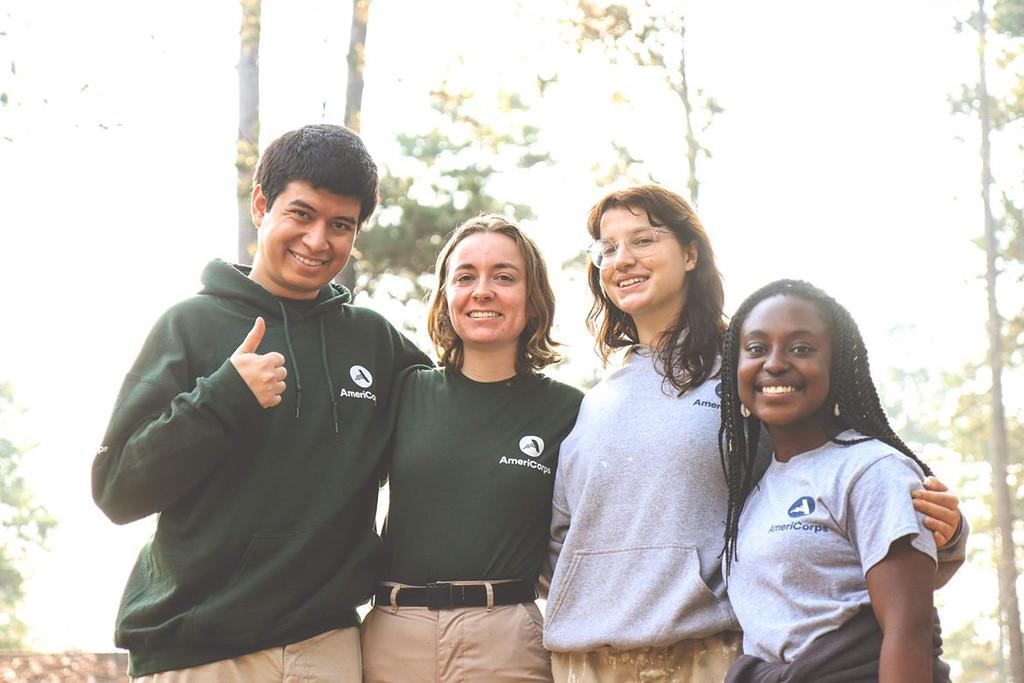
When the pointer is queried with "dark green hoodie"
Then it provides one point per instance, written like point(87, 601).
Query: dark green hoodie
point(266, 529)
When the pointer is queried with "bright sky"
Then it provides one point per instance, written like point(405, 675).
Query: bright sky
point(836, 160)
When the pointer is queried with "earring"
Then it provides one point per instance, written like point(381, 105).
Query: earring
point(744, 411)
point(835, 411)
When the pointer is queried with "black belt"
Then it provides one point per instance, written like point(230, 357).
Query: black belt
point(449, 595)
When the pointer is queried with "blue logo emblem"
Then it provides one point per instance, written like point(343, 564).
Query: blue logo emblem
point(801, 507)
point(718, 390)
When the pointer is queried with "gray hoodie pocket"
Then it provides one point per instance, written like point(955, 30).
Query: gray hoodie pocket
point(633, 597)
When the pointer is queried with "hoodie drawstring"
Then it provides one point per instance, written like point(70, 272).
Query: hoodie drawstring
point(295, 362)
point(298, 376)
point(327, 373)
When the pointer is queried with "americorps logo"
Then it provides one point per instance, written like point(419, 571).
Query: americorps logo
point(361, 376)
point(533, 446)
point(801, 507)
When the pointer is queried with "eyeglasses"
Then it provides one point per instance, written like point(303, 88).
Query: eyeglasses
point(639, 241)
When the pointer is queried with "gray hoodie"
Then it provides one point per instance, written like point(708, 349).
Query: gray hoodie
point(638, 517)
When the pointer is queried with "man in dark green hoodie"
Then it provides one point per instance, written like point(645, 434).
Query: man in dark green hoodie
point(254, 423)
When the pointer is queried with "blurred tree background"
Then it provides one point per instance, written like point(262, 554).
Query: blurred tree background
point(652, 35)
point(969, 411)
point(468, 147)
point(446, 177)
point(24, 525)
point(247, 147)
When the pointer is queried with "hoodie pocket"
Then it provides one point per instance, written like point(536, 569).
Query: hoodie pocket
point(276, 576)
point(633, 597)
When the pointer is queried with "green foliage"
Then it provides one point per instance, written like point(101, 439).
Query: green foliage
point(448, 175)
point(647, 32)
point(5, 96)
point(24, 526)
point(1005, 39)
point(1008, 18)
point(1007, 115)
point(952, 409)
point(650, 34)
point(1003, 110)
point(978, 659)
point(605, 26)
point(624, 169)
point(945, 416)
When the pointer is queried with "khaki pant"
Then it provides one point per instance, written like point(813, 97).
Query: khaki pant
point(465, 645)
point(689, 661)
point(331, 657)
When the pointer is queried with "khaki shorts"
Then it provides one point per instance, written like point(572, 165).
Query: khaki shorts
point(331, 657)
point(704, 660)
point(468, 644)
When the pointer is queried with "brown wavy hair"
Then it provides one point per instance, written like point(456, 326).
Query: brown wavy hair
point(536, 348)
point(687, 351)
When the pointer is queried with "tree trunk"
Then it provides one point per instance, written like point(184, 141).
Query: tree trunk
point(692, 146)
point(247, 148)
point(1008, 604)
point(354, 100)
point(356, 63)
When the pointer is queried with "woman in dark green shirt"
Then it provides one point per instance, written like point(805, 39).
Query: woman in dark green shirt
point(474, 457)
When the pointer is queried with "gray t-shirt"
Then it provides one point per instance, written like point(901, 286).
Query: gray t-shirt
point(809, 533)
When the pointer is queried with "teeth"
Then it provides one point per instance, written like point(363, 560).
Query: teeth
point(631, 281)
point(483, 314)
point(307, 261)
point(778, 390)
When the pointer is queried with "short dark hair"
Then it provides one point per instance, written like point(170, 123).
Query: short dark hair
point(852, 390)
point(327, 157)
point(536, 349)
point(688, 351)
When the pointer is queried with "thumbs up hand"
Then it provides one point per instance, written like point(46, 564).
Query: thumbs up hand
point(264, 374)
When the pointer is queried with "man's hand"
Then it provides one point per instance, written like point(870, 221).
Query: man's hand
point(264, 374)
point(941, 510)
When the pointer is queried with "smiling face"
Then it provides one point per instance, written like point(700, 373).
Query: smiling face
point(305, 239)
point(783, 370)
point(485, 289)
point(650, 288)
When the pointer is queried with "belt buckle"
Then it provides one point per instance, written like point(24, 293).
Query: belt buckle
point(439, 595)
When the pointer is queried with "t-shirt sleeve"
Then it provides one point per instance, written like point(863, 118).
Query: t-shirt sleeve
point(880, 511)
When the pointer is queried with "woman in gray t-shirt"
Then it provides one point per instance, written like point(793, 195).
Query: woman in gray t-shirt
point(829, 530)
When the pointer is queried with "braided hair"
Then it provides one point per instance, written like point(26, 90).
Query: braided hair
point(852, 395)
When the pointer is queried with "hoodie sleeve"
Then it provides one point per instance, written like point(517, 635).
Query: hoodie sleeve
point(169, 428)
point(560, 520)
point(406, 353)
